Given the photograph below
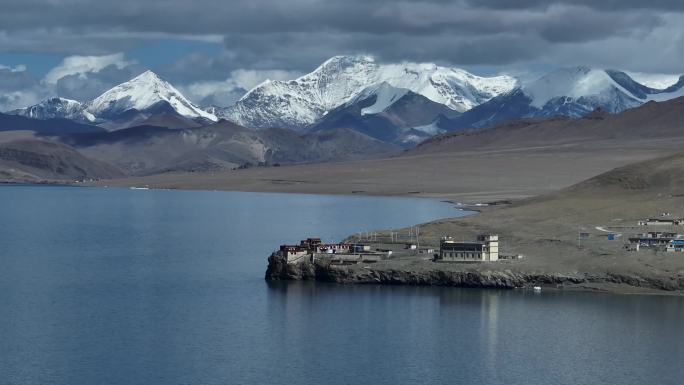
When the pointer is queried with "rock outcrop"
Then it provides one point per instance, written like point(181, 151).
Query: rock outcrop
point(457, 275)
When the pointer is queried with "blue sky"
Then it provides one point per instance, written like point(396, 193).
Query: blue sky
point(154, 55)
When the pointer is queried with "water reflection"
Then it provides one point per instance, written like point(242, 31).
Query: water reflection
point(487, 336)
point(115, 287)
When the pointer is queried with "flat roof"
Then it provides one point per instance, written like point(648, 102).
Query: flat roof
point(463, 246)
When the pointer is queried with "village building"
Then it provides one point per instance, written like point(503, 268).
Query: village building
point(676, 246)
point(348, 259)
point(311, 244)
point(293, 253)
point(334, 248)
point(343, 253)
point(653, 239)
point(359, 248)
point(661, 222)
point(486, 248)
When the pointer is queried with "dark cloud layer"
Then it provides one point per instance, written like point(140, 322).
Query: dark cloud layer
point(86, 86)
point(253, 27)
point(296, 35)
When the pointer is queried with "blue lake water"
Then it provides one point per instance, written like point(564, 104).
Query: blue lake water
point(116, 286)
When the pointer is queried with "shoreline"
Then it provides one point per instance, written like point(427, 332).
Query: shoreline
point(468, 177)
point(127, 183)
point(539, 242)
point(475, 207)
point(463, 275)
point(101, 184)
point(602, 285)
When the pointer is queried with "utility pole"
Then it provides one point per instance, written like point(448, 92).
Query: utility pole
point(417, 234)
point(579, 238)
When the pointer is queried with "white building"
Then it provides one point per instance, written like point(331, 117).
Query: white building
point(485, 249)
point(660, 222)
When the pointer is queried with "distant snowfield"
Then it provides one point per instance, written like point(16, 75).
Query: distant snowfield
point(386, 96)
point(346, 80)
point(144, 91)
point(571, 82)
point(341, 79)
point(577, 82)
point(657, 81)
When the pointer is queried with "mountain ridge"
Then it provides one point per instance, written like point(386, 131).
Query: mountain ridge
point(35, 160)
point(663, 120)
point(148, 149)
point(136, 99)
point(54, 108)
point(302, 102)
point(572, 92)
point(410, 101)
point(144, 91)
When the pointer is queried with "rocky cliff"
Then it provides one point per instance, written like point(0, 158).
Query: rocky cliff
point(426, 273)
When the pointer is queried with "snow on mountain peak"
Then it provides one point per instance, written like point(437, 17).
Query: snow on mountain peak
point(656, 81)
point(142, 92)
point(385, 96)
point(56, 107)
point(572, 82)
point(573, 92)
point(300, 102)
point(346, 61)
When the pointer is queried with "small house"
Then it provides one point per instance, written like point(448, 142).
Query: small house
point(293, 253)
point(676, 246)
point(653, 238)
point(660, 222)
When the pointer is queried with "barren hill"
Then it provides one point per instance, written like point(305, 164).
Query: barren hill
point(41, 161)
point(653, 120)
point(546, 229)
point(221, 146)
point(662, 176)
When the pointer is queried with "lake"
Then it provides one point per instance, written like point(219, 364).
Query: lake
point(118, 286)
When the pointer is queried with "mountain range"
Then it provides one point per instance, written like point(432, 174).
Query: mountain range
point(572, 92)
point(166, 142)
point(652, 122)
point(35, 161)
point(305, 101)
point(137, 99)
point(142, 150)
point(400, 104)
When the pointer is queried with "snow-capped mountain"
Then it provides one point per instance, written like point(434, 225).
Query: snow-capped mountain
point(56, 108)
point(145, 91)
point(384, 95)
point(302, 102)
point(386, 113)
point(572, 92)
point(577, 91)
point(135, 100)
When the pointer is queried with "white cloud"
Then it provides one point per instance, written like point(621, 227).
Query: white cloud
point(80, 65)
point(18, 88)
point(11, 100)
point(17, 68)
point(218, 93)
point(76, 77)
point(226, 92)
point(657, 81)
point(249, 79)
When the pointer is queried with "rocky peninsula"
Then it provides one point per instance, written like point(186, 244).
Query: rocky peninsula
point(489, 276)
point(563, 237)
